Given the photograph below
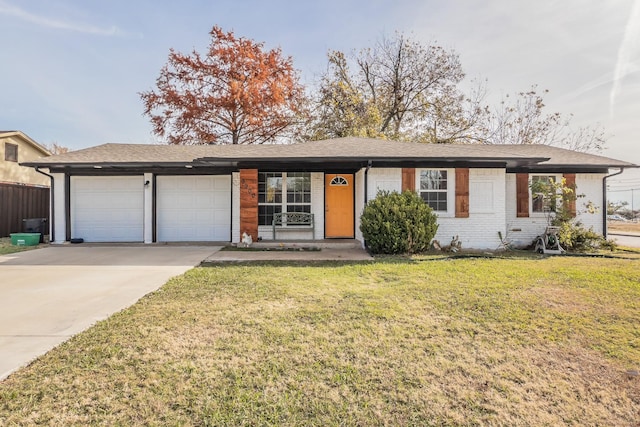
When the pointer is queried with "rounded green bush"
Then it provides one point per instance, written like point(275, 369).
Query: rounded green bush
point(395, 223)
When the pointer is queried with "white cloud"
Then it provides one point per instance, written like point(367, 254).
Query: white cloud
point(603, 80)
point(43, 21)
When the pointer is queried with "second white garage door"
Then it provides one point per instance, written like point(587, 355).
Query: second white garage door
point(193, 208)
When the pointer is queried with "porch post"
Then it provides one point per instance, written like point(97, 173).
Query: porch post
point(59, 208)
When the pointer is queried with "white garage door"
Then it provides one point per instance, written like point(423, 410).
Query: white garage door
point(195, 208)
point(107, 209)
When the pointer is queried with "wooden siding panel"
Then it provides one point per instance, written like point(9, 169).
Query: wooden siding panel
point(408, 179)
point(18, 202)
point(570, 181)
point(522, 195)
point(462, 192)
point(249, 203)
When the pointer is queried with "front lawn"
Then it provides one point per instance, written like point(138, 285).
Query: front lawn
point(7, 248)
point(552, 341)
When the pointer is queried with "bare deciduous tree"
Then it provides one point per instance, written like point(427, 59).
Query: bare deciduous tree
point(55, 148)
point(522, 120)
point(400, 90)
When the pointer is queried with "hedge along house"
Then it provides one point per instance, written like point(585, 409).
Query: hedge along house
point(215, 193)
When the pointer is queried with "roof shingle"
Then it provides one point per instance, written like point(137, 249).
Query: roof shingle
point(333, 149)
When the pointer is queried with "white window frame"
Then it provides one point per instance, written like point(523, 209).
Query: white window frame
point(451, 189)
point(284, 203)
point(532, 213)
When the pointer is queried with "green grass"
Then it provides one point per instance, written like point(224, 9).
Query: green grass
point(543, 341)
point(7, 248)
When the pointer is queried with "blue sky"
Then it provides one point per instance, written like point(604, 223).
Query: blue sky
point(72, 69)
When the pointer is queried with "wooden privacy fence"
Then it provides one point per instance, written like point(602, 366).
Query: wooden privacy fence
point(18, 202)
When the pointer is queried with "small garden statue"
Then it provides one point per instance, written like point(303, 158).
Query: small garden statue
point(247, 240)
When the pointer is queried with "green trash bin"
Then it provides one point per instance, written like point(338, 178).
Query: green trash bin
point(25, 239)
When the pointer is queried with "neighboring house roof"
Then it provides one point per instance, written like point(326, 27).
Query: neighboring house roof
point(341, 151)
point(26, 138)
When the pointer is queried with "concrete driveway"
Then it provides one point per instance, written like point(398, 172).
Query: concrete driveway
point(48, 295)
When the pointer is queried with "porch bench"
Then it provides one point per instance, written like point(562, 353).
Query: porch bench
point(293, 221)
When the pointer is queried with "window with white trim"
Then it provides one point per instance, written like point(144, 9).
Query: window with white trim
point(540, 203)
point(282, 192)
point(433, 188)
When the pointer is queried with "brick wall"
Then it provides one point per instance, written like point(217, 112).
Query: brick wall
point(486, 206)
point(522, 231)
point(486, 212)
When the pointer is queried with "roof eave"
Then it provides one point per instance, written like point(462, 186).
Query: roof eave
point(101, 165)
point(386, 159)
point(26, 138)
point(570, 168)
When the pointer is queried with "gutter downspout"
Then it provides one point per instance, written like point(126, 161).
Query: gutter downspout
point(52, 206)
point(366, 190)
point(366, 181)
point(604, 201)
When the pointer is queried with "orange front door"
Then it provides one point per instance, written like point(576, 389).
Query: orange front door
point(338, 210)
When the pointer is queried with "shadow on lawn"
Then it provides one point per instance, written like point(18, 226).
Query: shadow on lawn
point(426, 257)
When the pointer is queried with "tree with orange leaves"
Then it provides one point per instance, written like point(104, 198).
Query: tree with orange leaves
point(236, 94)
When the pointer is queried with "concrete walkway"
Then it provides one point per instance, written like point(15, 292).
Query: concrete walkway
point(325, 254)
point(48, 295)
